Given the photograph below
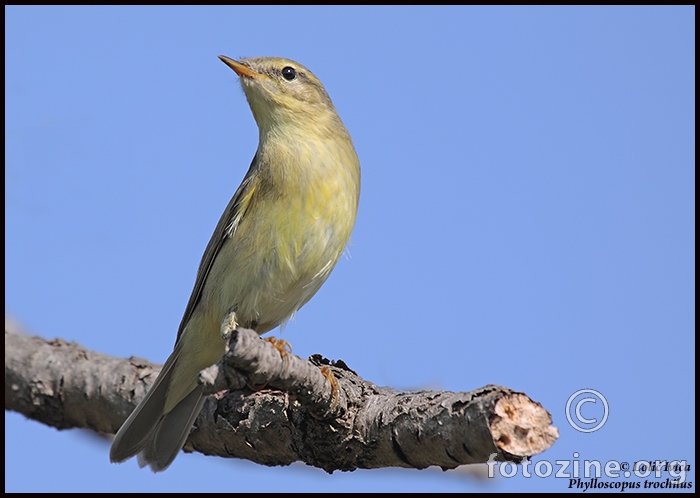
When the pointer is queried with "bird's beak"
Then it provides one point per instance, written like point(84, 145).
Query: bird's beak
point(239, 68)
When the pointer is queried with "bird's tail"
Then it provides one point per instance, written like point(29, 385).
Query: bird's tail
point(155, 436)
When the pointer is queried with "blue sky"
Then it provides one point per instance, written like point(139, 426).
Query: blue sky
point(526, 216)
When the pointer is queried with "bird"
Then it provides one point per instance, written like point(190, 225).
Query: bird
point(275, 244)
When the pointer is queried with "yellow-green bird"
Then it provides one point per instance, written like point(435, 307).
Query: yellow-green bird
point(276, 243)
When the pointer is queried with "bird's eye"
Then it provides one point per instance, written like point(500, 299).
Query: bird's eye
point(288, 73)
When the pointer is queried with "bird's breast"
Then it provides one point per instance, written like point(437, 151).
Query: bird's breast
point(295, 227)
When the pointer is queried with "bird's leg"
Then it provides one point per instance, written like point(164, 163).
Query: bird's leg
point(229, 324)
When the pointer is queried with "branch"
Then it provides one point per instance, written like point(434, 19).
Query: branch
point(296, 418)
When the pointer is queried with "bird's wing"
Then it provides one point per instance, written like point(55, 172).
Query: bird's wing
point(224, 230)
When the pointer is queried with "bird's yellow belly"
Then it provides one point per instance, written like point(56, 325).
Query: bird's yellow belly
point(268, 270)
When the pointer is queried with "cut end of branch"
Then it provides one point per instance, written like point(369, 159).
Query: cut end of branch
point(522, 427)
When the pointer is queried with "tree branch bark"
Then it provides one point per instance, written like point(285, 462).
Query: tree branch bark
point(297, 417)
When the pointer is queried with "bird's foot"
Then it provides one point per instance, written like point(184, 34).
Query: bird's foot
point(335, 387)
